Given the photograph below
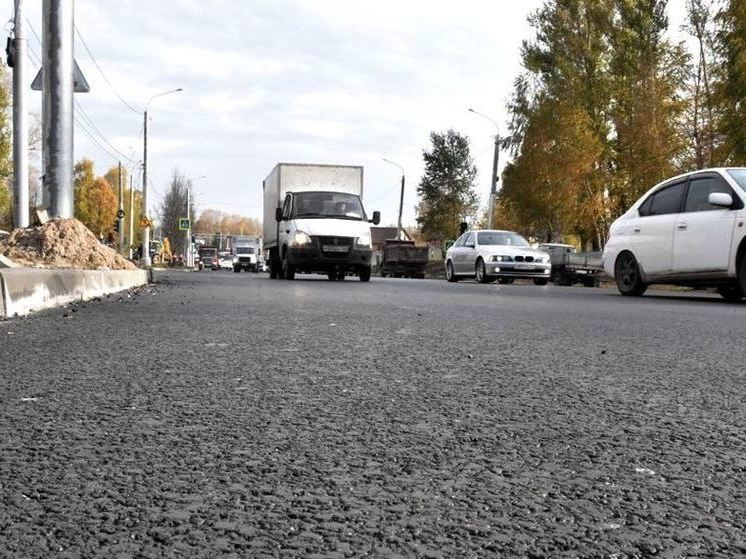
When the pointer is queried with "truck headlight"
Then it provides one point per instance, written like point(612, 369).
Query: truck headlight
point(363, 241)
point(500, 258)
point(301, 238)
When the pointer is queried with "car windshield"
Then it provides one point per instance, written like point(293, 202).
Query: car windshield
point(739, 175)
point(501, 238)
point(244, 250)
point(328, 204)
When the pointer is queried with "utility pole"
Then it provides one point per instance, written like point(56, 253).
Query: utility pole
point(145, 261)
point(493, 191)
point(400, 228)
point(495, 161)
point(145, 252)
point(189, 230)
point(20, 121)
point(120, 212)
point(132, 219)
point(57, 104)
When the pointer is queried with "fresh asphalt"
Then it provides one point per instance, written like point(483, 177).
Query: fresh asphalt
point(217, 413)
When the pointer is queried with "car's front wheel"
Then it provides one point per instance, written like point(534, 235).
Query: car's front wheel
point(731, 293)
point(627, 275)
point(450, 274)
point(541, 281)
point(480, 272)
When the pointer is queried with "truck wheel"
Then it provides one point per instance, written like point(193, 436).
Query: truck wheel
point(541, 281)
point(627, 275)
point(288, 271)
point(364, 274)
point(237, 269)
point(450, 274)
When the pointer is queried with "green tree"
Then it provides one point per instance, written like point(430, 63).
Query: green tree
point(6, 135)
point(730, 86)
point(446, 191)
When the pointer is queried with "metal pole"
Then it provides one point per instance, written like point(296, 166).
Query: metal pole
point(132, 220)
point(400, 232)
point(145, 230)
point(20, 122)
point(57, 106)
point(120, 220)
point(493, 190)
point(189, 231)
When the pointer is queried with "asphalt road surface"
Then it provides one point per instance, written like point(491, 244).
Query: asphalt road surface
point(218, 413)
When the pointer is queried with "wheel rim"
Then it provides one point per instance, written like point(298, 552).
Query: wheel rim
point(480, 271)
point(449, 270)
point(628, 273)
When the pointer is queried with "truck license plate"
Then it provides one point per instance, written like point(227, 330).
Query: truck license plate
point(336, 248)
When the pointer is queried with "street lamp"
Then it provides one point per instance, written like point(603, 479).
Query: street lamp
point(400, 232)
point(146, 229)
point(495, 159)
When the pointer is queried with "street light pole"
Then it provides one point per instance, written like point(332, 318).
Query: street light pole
point(400, 229)
point(20, 121)
point(146, 229)
point(495, 161)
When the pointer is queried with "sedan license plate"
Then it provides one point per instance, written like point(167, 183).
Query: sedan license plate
point(336, 248)
point(524, 267)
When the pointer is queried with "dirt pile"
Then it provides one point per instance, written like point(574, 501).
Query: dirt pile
point(61, 243)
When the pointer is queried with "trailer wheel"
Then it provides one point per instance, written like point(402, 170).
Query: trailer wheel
point(364, 274)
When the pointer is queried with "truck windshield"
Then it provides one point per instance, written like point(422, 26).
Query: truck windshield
point(502, 238)
point(244, 250)
point(338, 205)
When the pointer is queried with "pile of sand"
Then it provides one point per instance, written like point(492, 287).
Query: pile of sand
point(61, 243)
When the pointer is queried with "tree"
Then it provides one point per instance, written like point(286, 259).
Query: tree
point(646, 72)
point(83, 181)
point(102, 207)
point(447, 193)
point(6, 163)
point(174, 207)
point(730, 86)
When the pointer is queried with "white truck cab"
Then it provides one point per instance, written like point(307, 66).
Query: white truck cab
point(314, 221)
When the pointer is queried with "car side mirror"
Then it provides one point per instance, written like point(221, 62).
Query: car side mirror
point(278, 214)
point(722, 199)
point(376, 218)
point(469, 245)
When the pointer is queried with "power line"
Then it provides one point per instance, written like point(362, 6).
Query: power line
point(103, 75)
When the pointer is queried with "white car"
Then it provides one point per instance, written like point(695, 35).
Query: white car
point(689, 230)
point(225, 261)
point(496, 255)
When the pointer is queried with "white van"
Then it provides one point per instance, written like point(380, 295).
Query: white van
point(314, 221)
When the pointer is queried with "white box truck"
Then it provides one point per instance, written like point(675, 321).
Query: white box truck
point(247, 254)
point(314, 221)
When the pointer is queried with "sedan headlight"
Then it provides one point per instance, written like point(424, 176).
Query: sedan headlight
point(301, 238)
point(363, 241)
point(500, 258)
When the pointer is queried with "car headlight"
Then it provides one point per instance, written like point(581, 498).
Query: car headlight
point(235, 259)
point(363, 241)
point(500, 258)
point(539, 259)
point(301, 238)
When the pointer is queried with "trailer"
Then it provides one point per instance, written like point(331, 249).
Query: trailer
point(570, 266)
point(402, 259)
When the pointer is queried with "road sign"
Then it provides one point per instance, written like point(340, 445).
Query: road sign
point(80, 84)
point(184, 224)
point(120, 214)
point(144, 222)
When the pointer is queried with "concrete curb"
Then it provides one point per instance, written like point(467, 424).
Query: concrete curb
point(23, 290)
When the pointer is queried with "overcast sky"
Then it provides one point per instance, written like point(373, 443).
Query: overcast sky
point(318, 81)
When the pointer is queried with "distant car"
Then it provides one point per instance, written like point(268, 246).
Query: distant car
point(225, 261)
point(688, 230)
point(496, 255)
